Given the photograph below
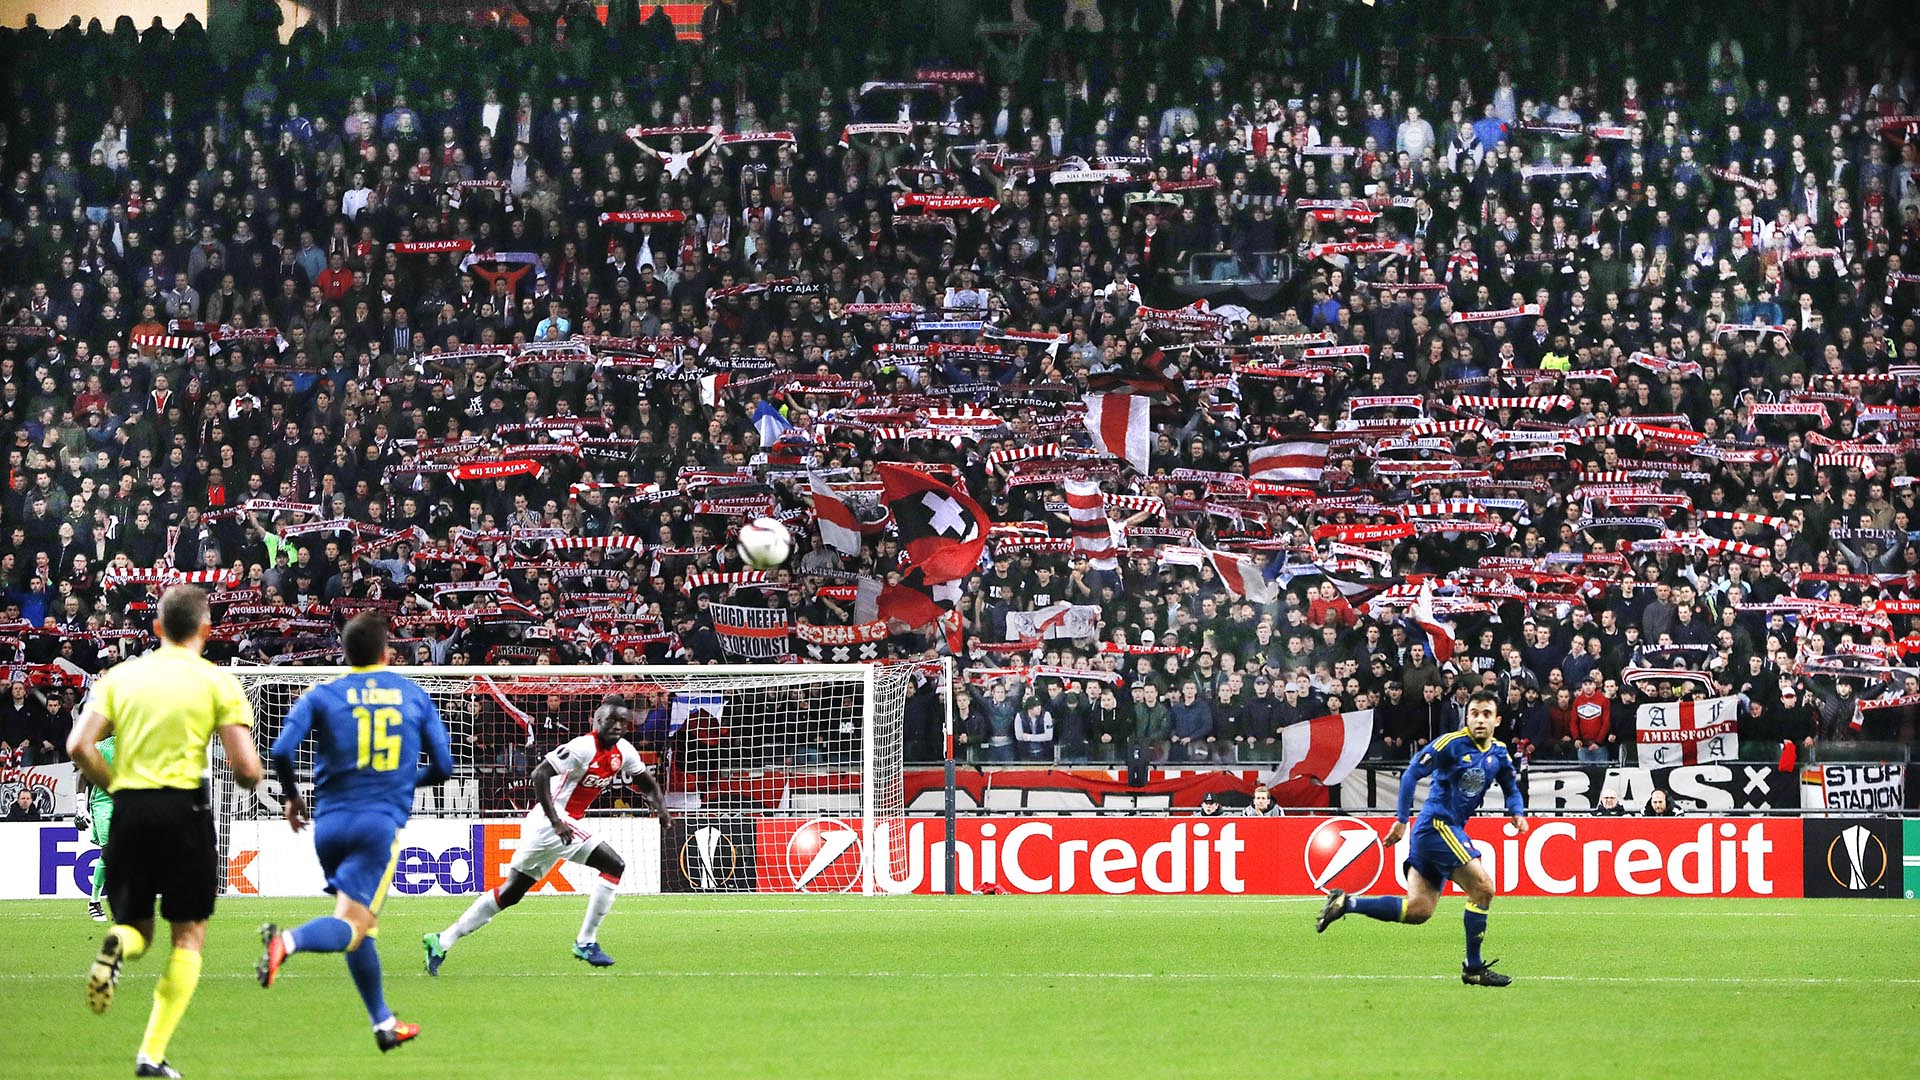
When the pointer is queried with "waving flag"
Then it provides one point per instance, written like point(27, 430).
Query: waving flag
point(839, 528)
point(1324, 749)
point(1122, 426)
point(1061, 620)
point(769, 423)
point(1439, 635)
point(942, 529)
point(687, 706)
point(916, 610)
point(1092, 529)
point(1243, 578)
point(1301, 460)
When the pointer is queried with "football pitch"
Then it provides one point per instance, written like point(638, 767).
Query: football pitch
point(1001, 986)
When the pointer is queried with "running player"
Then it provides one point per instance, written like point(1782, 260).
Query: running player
point(97, 819)
point(1461, 764)
point(369, 728)
point(566, 783)
point(162, 708)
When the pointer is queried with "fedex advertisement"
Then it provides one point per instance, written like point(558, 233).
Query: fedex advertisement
point(1224, 856)
point(451, 857)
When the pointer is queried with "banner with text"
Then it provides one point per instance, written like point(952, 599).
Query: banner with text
point(1869, 788)
point(1689, 732)
point(1286, 856)
point(52, 787)
point(1722, 787)
point(1087, 789)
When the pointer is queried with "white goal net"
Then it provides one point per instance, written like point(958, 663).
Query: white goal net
point(779, 778)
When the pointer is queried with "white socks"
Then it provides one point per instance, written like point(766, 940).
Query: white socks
point(598, 904)
point(479, 914)
point(483, 909)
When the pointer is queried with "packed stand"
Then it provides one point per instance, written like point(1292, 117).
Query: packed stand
point(1595, 385)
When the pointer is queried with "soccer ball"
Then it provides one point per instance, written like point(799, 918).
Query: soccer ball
point(765, 544)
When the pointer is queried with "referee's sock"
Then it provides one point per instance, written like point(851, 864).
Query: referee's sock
point(1384, 908)
point(364, 965)
point(1476, 919)
point(325, 934)
point(171, 996)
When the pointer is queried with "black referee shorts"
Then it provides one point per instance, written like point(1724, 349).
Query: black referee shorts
point(161, 843)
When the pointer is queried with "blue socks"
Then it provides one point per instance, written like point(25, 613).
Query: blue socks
point(328, 934)
point(364, 964)
point(1476, 919)
point(1384, 908)
point(325, 934)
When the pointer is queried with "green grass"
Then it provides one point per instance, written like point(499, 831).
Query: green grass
point(1007, 987)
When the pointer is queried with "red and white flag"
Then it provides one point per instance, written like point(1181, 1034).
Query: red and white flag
point(1324, 749)
point(1061, 620)
point(1122, 427)
point(1242, 577)
point(1688, 732)
point(1439, 635)
point(839, 529)
point(1300, 460)
point(1092, 529)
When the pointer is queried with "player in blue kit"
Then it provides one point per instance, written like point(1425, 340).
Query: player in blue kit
point(369, 728)
point(1461, 764)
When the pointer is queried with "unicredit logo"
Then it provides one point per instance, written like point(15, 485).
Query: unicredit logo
point(1342, 853)
point(1027, 858)
point(1719, 860)
point(824, 855)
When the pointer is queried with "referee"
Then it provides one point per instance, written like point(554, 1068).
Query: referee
point(161, 708)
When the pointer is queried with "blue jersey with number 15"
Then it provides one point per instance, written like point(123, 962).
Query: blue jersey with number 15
point(368, 730)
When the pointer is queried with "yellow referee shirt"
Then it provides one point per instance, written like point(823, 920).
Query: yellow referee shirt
point(163, 707)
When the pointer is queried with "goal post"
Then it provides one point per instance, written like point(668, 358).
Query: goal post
point(780, 778)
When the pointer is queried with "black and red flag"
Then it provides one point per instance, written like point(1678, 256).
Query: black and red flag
point(943, 531)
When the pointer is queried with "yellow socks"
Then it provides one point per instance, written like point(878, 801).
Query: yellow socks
point(133, 944)
point(171, 997)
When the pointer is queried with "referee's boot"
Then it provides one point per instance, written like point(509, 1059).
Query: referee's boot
point(395, 1034)
point(104, 975)
point(1484, 975)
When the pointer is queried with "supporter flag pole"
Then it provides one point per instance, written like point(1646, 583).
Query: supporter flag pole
point(946, 665)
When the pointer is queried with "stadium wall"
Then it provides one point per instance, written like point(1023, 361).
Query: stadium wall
point(1721, 787)
point(1718, 787)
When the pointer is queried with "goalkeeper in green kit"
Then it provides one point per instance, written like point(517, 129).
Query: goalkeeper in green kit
point(96, 813)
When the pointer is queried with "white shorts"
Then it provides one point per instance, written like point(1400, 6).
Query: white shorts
point(541, 848)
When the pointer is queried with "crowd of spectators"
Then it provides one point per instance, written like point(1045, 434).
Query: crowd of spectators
point(257, 310)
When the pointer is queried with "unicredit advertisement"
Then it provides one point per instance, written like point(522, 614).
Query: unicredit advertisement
point(1731, 857)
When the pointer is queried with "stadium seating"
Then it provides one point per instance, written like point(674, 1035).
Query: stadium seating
point(1594, 384)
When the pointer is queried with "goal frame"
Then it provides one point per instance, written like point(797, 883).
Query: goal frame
point(865, 675)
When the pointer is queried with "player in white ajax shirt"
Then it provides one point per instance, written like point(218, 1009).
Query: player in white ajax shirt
point(566, 782)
